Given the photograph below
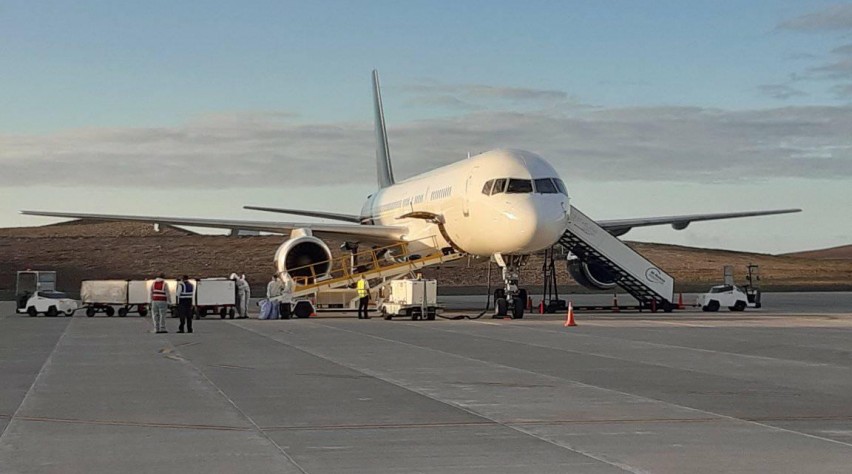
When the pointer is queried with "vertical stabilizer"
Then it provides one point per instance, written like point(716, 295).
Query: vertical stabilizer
point(384, 169)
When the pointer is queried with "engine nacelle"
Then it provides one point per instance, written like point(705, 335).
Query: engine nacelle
point(303, 255)
point(591, 275)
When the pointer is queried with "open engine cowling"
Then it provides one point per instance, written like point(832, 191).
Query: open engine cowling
point(303, 255)
point(591, 276)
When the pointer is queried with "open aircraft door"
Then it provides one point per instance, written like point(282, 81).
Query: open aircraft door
point(467, 191)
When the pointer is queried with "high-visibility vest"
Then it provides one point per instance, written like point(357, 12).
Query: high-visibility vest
point(185, 291)
point(158, 291)
point(363, 288)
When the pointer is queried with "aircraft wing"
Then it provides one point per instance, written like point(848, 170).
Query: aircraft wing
point(298, 212)
point(622, 226)
point(347, 231)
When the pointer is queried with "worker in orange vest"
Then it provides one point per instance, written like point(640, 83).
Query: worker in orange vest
point(159, 298)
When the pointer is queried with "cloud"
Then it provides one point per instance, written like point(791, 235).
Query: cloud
point(780, 91)
point(686, 144)
point(478, 96)
point(833, 18)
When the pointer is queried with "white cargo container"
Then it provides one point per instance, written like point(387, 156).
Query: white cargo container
point(216, 295)
point(101, 296)
point(415, 298)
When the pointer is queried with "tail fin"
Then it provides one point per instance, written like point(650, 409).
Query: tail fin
point(384, 169)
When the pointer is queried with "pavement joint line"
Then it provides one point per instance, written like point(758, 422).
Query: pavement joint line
point(245, 415)
point(462, 424)
point(698, 410)
point(143, 424)
point(36, 379)
point(657, 344)
point(603, 459)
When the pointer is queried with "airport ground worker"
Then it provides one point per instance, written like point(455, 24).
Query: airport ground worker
point(185, 297)
point(363, 287)
point(244, 294)
point(159, 299)
point(286, 297)
point(273, 292)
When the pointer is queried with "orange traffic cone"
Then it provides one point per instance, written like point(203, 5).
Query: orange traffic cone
point(615, 308)
point(680, 301)
point(541, 307)
point(569, 318)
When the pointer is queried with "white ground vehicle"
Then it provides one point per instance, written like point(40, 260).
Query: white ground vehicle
point(731, 296)
point(49, 303)
point(415, 298)
point(35, 292)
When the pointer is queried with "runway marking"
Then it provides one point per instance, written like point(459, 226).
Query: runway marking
point(470, 411)
point(36, 379)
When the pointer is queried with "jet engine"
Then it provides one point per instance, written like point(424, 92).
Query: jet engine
point(303, 255)
point(591, 275)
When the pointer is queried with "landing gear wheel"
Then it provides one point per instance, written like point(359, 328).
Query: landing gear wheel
point(518, 309)
point(110, 311)
point(32, 311)
point(713, 305)
point(502, 307)
point(122, 312)
point(51, 311)
point(91, 311)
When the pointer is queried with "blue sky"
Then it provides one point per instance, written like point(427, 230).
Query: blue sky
point(722, 98)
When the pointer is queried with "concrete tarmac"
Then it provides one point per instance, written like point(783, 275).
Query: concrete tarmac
point(668, 393)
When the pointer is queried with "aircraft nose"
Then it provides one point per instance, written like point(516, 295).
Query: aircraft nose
point(537, 223)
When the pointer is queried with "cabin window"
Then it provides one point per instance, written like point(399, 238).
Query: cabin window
point(560, 186)
point(499, 186)
point(519, 186)
point(486, 190)
point(545, 186)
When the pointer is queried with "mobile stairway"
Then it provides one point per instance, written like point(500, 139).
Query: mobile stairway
point(591, 243)
point(380, 263)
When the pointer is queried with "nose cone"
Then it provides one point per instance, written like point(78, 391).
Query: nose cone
point(535, 222)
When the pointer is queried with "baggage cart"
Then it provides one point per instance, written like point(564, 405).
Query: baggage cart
point(215, 296)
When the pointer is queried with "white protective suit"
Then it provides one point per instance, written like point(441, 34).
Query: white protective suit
point(287, 287)
point(244, 293)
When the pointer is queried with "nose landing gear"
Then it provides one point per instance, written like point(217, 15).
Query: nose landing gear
point(510, 300)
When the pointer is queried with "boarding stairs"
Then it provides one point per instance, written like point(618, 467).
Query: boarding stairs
point(378, 263)
point(591, 243)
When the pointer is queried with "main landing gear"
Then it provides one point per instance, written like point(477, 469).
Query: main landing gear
point(510, 300)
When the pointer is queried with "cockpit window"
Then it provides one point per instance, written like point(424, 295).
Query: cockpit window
point(499, 186)
point(519, 186)
point(486, 189)
point(545, 186)
point(560, 186)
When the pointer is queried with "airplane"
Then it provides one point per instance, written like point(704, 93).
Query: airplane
point(504, 204)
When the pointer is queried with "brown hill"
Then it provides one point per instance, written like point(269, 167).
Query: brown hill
point(100, 250)
point(843, 252)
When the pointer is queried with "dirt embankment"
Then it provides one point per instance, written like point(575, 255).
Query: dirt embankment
point(101, 250)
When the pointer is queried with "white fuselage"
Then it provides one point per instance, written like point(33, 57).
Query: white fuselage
point(513, 220)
